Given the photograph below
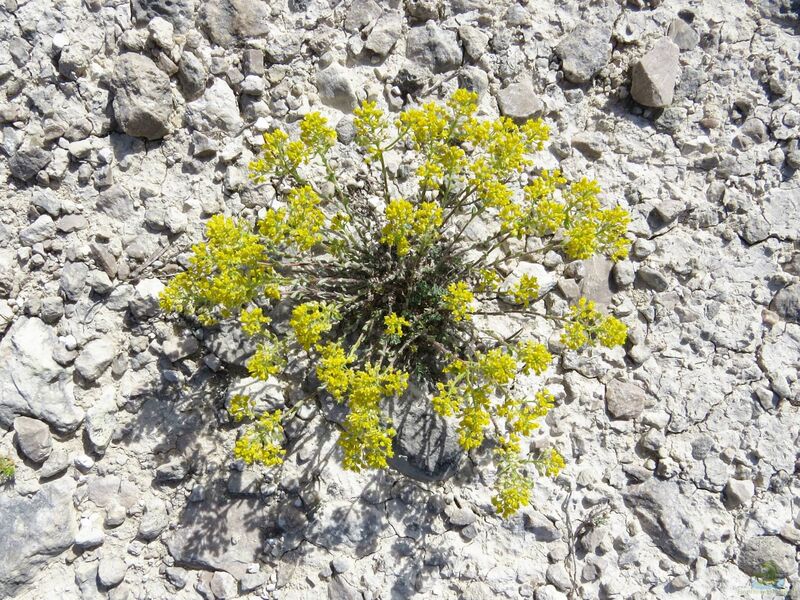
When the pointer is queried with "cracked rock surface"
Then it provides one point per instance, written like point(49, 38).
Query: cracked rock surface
point(125, 124)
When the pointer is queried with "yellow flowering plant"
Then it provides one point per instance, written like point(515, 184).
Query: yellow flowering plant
point(384, 279)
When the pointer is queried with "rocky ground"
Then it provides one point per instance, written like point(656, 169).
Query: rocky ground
point(125, 124)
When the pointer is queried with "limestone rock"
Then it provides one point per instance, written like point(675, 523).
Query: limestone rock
point(27, 161)
point(31, 382)
point(181, 13)
point(215, 110)
point(50, 514)
point(33, 438)
point(519, 101)
point(335, 87)
point(142, 97)
point(426, 445)
point(787, 303)
point(433, 47)
point(111, 571)
point(95, 358)
point(624, 400)
point(654, 76)
point(584, 51)
point(663, 516)
point(758, 551)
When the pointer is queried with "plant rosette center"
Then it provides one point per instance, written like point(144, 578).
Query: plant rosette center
point(392, 272)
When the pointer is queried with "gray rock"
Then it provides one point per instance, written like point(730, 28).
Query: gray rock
point(111, 571)
point(341, 564)
point(346, 129)
point(181, 13)
point(473, 79)
point(56, 464)
point(101, 421)
point(250, 582)
point(216, 110)
point(228, 21)
point(144, 303)
point(75, 59)
point(33, 438)
point(176, 348)
point(224, 586)
point(542, 528)
point(460, 517)
point(584, 51)
point(142, 97)
point(90, 533)
point(624, 400)
point(51, 515)
point(787, 303)
point(519, 101)
point(154, 520)
point(192, 76)
point(739, 492)
point(756, 229)
point(651, 279)
point(95, 358)
point(335, 87)
point(653, 77)
point(426, 445)
point(433, 47)
point(117, 203)
point(759, 551)
point(665, 518)
point(27, 161)
point(73, 280)
point(384, 34)
point(243, 483)
point(475, 41)
point(595, 284)
point(43, 228)
point(340, 589)
point(236, 518)
point(422, 10)
point(253, 62)
point(31, 382)
point(175, 470)
point(360, 14)
point(48, 202)
point(589, 143)
point(682, 34)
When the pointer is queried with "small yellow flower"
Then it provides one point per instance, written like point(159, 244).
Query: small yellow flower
point(395, 323)
point(458, 300)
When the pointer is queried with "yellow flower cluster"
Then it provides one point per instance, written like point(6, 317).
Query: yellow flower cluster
point(526, 290)
point(267, 360)
point(281, 157)
point(261, 443)
point(310, 320)
point(497, 367)
point(253, 321)
point(241, 407)
point(394, 324)
point(301, 223)
point(586, 326)
point(404, 221)
point(317, 247)
point(227, 271)
point(458, 300)
point(513, 488)
point(370, 126)
point(366, 440)
point(469, 390)
point(534, 357)
point(315, 133)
